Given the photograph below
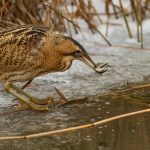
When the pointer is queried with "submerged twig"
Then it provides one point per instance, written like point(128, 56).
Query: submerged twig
point(135, 100)
point(129, 89)
point(49, 133)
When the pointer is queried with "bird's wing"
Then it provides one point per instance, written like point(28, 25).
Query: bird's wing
point(22, 35)
point(16, 45)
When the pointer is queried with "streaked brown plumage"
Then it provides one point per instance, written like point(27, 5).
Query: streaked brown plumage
point(30, 51)
point(25, 52)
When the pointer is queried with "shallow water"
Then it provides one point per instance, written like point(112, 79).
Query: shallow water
point(125, 134)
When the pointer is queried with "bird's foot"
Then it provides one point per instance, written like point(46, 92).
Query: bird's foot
point(63, 101)
point(28, 101)
point(35, 104)
point(39, 104)
point(32, 106)
point(21, 106)
point(47, 101)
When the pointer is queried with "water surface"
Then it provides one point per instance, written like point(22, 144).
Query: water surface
point(131, 133)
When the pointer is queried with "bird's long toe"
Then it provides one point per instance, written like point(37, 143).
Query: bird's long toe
point(32, 106)
point(39, 107)
point(47, 101)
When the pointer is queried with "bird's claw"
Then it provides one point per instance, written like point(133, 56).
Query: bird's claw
point(21, 106)
point(33, 106)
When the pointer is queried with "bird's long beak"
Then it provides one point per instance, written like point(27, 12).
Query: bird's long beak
point(99, 68)
point(85, 58)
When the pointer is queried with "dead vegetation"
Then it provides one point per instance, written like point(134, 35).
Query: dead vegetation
point(64, 15)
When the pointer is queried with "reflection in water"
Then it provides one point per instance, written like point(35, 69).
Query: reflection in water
point(126, 134)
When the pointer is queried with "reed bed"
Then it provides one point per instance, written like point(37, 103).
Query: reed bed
point(64, 15)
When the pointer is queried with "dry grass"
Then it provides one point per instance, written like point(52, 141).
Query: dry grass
point(46, 13)
point(62, 15)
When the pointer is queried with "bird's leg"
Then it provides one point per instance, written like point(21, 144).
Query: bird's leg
point(13, 90)
point(26, 84)
point(23, 87)
point(33, 99)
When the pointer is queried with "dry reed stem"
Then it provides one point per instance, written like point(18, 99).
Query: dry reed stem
point(54, 9)
point(125, 19)
point(105, 14)
point(118, 46)
point(114, 9)
point(140, 22)
point(50, 133)
point(91, 26)
point(141, 31)
point(36, 12)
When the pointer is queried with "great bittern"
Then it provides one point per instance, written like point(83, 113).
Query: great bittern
point(30, 51)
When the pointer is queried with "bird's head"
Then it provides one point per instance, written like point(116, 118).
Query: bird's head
point(65, 49)
point(72, 50)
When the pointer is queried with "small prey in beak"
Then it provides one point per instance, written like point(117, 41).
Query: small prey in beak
point(98, 68)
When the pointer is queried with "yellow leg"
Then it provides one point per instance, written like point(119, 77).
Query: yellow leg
point(26, 84)
point(15, 91)
point(32, 98)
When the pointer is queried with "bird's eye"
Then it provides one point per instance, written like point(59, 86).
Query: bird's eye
point(77, 53)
